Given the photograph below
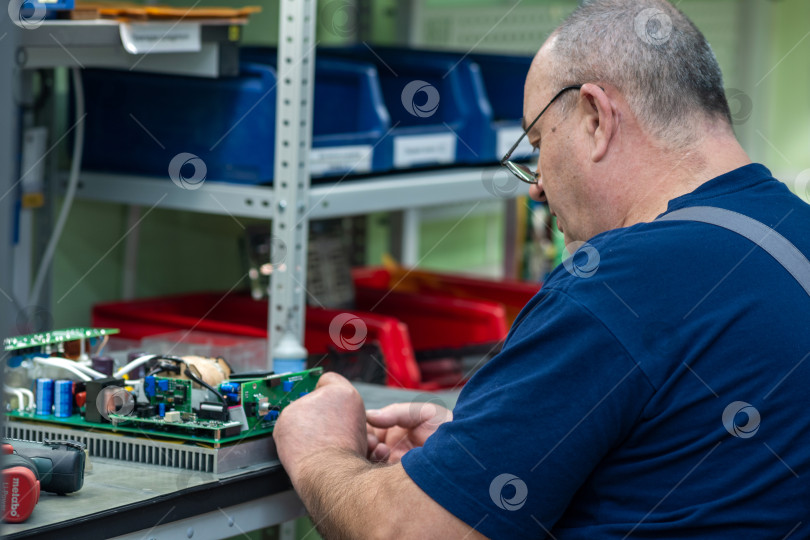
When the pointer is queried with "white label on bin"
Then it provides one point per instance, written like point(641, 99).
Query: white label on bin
point(354, 159)
point(413, 150)
point(142, 38)
point(506, 137)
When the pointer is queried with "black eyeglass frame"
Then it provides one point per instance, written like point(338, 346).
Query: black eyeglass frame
point(524, 173)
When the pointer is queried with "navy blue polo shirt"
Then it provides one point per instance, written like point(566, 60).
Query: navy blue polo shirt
point(658, 387)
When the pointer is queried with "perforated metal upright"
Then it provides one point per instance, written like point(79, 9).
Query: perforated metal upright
point(9, 143)
point(296, 71)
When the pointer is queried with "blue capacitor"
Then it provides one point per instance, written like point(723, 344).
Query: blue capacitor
point(272, 415)
point(163, 385)
point(234, 398)
point(149, 385)
point(44, 396)
point(229, 387)
point(162, 409)
point(63, 399)
point(287, 385)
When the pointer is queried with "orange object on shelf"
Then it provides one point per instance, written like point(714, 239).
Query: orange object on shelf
point(127, 11)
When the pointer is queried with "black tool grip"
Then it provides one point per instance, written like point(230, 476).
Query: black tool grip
point(60, 463)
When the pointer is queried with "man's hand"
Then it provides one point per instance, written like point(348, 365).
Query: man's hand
point(331, 418)
point(395, 429)
point(321, 440)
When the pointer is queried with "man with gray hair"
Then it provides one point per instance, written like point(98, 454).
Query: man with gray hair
point(656, 387)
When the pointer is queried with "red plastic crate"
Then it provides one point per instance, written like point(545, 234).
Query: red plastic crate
point(513, 295)
point(438, 322)
point(239, 314)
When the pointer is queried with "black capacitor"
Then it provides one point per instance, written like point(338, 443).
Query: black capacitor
point(140, 371)
point(147, 411)
point(104, 364)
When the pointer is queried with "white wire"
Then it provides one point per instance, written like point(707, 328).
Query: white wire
point(19, 394)
point(64, 364)
point(135, 363)
point(70, 193)
point(29, 394)
point(84, 369)
point(90, 371)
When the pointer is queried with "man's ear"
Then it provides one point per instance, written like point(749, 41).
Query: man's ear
point(600, 119)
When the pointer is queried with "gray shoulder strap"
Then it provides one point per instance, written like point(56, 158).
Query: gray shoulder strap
point(760, 234)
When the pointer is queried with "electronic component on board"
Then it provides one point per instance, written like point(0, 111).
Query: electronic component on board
point(193, 399)
point(213, 411)
point(230, 388)
point(63, 398)
point(44, 392)
point(94, 406)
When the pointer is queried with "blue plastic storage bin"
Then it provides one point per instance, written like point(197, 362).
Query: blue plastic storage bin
point(350, 121)
point(504, 79)
point(437, 102)
point(32, 11)
point(138, 123)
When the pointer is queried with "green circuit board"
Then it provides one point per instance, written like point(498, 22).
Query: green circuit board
point(202, 432)
point(172, 393)
point(214, 428)
point(56, 336)
point(252, 411)
point(276, 391)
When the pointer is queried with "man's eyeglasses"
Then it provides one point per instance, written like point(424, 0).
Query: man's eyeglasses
point(524, 173)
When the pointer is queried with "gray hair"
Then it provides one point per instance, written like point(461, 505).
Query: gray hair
point(653, 54)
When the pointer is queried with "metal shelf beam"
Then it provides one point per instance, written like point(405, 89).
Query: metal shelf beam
point(406, 190)
point(148, 191)
point(98, 44)
point(349, 197)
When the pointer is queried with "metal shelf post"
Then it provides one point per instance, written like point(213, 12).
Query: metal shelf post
point(296, 68)
point(9, 144)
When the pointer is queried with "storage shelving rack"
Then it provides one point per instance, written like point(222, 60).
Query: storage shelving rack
point(291, 202)
point(54, 43)
point(9, 38)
